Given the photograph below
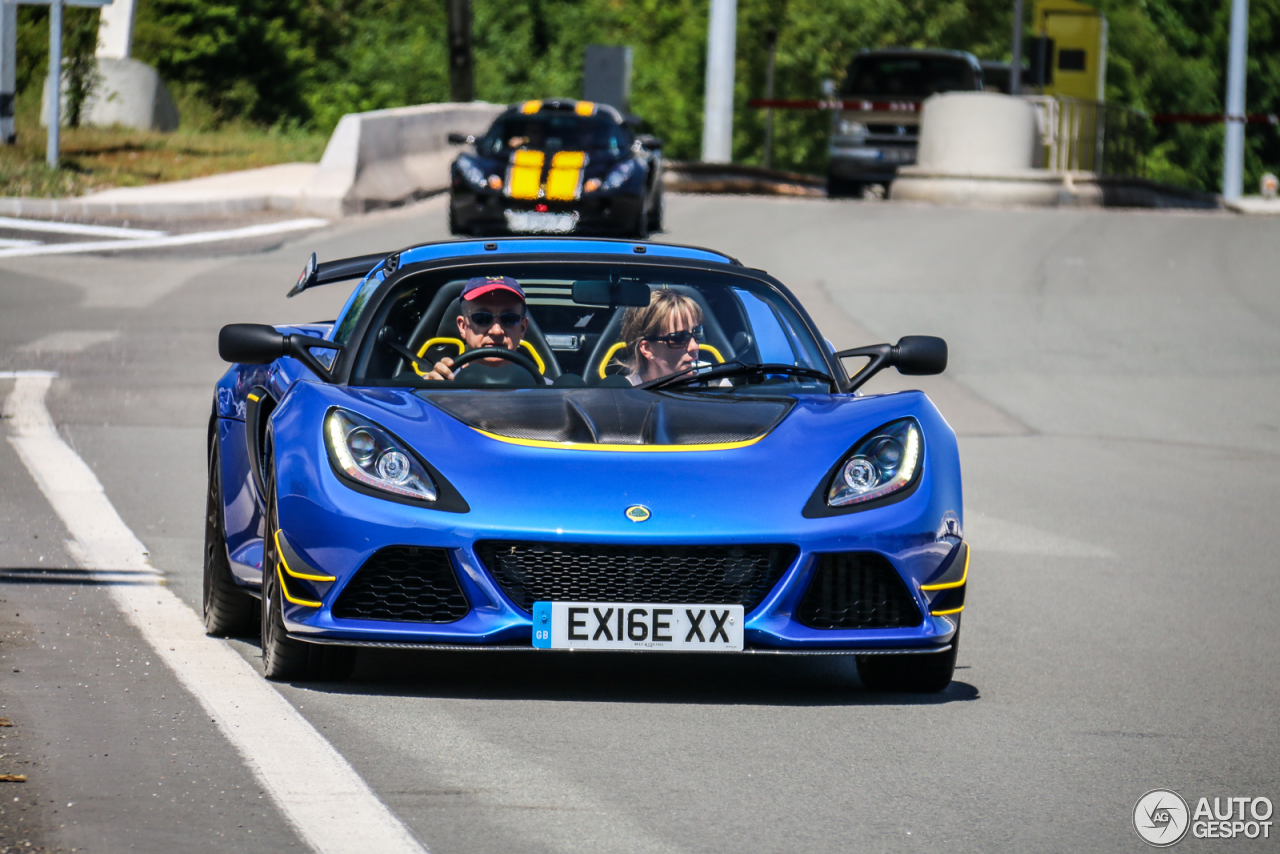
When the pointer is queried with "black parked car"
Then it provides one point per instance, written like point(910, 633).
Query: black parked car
point(557, 167)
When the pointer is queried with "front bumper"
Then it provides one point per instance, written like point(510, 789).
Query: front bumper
point(870, 162)
point(600, 213)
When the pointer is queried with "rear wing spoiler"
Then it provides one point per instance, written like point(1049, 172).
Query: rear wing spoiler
point(315, 274)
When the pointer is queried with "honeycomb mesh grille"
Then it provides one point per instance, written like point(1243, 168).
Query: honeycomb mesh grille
point(405, 584)
point(857, 590)
point(580, 572)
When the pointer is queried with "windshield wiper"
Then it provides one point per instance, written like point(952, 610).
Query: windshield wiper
point(753, 372)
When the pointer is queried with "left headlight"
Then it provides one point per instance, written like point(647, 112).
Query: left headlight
point(620, 174)
point(370, 456)
point(884, 462)
point(472, 172)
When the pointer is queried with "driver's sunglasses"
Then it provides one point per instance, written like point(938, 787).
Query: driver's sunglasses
point(679, 340)
point(484, 319)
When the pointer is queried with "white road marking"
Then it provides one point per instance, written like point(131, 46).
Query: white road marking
point(9, 243)
point(77, 228)
point(988, 534)
point(71, 341)
point(263, 230)
point(318, 791)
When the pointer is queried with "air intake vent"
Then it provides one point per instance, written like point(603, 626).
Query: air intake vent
point(580, 572)
point(405, 584)
point(857, 590)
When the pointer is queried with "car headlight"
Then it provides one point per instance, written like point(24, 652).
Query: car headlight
point(884, 462)
point(472, 172)
point(620, 174)
point(370, 456)
point(851, 128)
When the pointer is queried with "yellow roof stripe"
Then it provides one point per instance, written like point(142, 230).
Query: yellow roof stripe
point(530, 107)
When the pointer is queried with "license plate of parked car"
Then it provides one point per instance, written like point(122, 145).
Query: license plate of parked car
point(537, 222)
point(637, 626)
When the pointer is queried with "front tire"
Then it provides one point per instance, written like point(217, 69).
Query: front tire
point(843, 188)
point(909, 674)
point(228, 610)
point(283, 658)
point(655, 215)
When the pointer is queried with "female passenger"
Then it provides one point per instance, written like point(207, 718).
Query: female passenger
point(662, 337)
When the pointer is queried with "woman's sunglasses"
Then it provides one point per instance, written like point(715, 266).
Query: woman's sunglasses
point(484, 319)
point(678, 340)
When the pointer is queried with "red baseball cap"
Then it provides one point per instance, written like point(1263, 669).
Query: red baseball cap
point(481, 285)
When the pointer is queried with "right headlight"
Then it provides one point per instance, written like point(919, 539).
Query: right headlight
point(472, 172)
point(881, 464)
point(367, 454)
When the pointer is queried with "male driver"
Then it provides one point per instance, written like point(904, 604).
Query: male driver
point(493, 314)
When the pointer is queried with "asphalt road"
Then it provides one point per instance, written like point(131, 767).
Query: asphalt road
point(1115, 379)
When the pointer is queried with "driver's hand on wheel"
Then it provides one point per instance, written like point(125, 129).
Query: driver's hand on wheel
point(441, 370)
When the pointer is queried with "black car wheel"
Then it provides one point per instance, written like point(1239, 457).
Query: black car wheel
point(909, 674)
point(284, 658)
point(655, 215)
point(843, 188)
point(228, 610)
point(453, 223)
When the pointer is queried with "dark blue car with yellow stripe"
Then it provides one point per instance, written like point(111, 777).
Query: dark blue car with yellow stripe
point(557, 167)
point(757, 503)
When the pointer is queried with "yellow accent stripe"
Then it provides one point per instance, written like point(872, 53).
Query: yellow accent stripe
point(585, 108)
point(609, 354)
point(431, 342)
point(524, 176)
point(946, 613)
point(951, 585)
point(253, 397)
point(530, 107)
point(713, 351)
point(304, 576)
point(633, 449)
point(537, 360)
point(564, 181)
point(284, 591)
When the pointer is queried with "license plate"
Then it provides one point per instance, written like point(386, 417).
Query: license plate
point(637, 626)
point(536, 222)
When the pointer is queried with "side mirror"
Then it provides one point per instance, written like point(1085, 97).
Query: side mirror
point(652, 143)
point(913, 355)
point(251, 343)
point(259, 344)
point(461, 139)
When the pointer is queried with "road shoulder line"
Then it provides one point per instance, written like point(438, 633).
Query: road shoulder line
point(318, 791)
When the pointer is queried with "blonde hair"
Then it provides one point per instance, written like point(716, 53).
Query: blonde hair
point(641, 322)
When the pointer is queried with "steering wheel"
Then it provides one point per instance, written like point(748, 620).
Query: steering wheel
point(513, 356)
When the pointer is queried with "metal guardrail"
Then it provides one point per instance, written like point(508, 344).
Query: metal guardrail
point(1086, 136)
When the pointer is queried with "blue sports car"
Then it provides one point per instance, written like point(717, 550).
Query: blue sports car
point(489, 449)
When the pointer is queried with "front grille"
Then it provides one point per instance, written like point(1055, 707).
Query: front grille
point(406, 584)
point(857, 590)
point(581, 572)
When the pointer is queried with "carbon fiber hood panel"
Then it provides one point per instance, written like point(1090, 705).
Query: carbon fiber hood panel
point(613, 416)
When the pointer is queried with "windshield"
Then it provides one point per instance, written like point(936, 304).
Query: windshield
point(573, 343)
point(907, 76)
point(552, 133)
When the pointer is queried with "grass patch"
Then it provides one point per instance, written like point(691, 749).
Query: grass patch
point(100, 158)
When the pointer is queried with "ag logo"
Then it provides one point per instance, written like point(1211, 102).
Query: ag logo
point(638, 513)
point(1161, 818)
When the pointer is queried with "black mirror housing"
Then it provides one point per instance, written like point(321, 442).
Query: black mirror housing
point(611, 293)
point(920, 355)
point(460, 139)
point(251, 343)
point(650, 142)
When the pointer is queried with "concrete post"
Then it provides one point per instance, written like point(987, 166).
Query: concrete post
point(717, 118)
point(462, 78)
point(53, 84)
point(1233, 150)
point(115, 30)
point(8, 70)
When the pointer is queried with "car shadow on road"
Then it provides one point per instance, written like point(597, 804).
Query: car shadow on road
point(603, 677)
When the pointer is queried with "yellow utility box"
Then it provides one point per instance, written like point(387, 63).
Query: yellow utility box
point(1073, 38)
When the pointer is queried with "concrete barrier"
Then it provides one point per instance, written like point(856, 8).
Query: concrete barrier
point(388, 157)
point(986, 148)
point(128, 93)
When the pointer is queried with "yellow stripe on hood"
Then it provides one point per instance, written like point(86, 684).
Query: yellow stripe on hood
point(564, 182)
point(524, 176)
